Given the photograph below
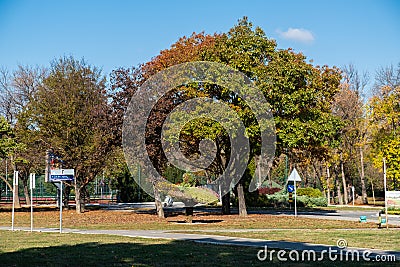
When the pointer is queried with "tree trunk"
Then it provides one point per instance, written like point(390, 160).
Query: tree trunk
point(362, 176)
point(314, 176)
point(157, 202)
point(373, 192)
point(345, 195)
point(269, 177)
point(17, 203)
point(242, 201)
point(226, 203)
point(67, 191)
point(328, 185)
point(80, 205)
point(27, 196)
point(26, 191)
point(338, 190)
point(159, 208)
point(7, 183)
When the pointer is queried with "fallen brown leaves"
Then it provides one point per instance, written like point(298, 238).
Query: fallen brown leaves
point(111, 219)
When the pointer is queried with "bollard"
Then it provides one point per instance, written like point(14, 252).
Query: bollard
point(363, 219)
point(381, 221)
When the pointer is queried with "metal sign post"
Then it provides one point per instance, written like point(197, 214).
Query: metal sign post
point(15, 185)
point(59, 176)
point(32, 182)
point(384, 186)
point(61, 204)
point(295, 199)
point(295, 177)
point(6, 178)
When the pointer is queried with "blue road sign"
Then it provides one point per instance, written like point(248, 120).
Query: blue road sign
point(64, 177)
point(290, 188)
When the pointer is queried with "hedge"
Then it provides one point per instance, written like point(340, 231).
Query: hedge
point(281, 200)
point(309, 191)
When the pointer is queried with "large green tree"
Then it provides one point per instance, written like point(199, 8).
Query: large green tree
point(349, 107)
point(7, 142)
point(385, 120)
point(17, 89)
point(29, 157)
point(69, 114)
point(299, 93)
point(8, 145)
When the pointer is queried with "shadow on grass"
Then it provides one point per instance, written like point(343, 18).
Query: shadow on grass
point(28, 209)
point(174, 253)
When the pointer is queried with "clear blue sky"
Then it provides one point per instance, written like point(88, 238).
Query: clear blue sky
point(110, 34)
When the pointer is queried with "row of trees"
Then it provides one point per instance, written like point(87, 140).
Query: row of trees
point(334, 136)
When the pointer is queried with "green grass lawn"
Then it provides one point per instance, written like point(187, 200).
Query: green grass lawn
point(51, 249)
point(45, 249)
point(382, 239)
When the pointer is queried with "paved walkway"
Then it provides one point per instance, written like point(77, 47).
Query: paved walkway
point(219, 240)
point(349, 216)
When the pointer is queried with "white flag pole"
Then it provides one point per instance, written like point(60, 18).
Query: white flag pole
point(6, 178)
point(384, 186)
point(295, 199)
point(13, 204)
point(61, 204)
point(15, 185)
point(32, 186)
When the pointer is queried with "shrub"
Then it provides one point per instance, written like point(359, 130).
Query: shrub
point(392, 211)
point(200, 194)
point(306, 201)
point(281, 200)
point(189, 180)
point(257, 201)
point(268, 190)
point(309, 191)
